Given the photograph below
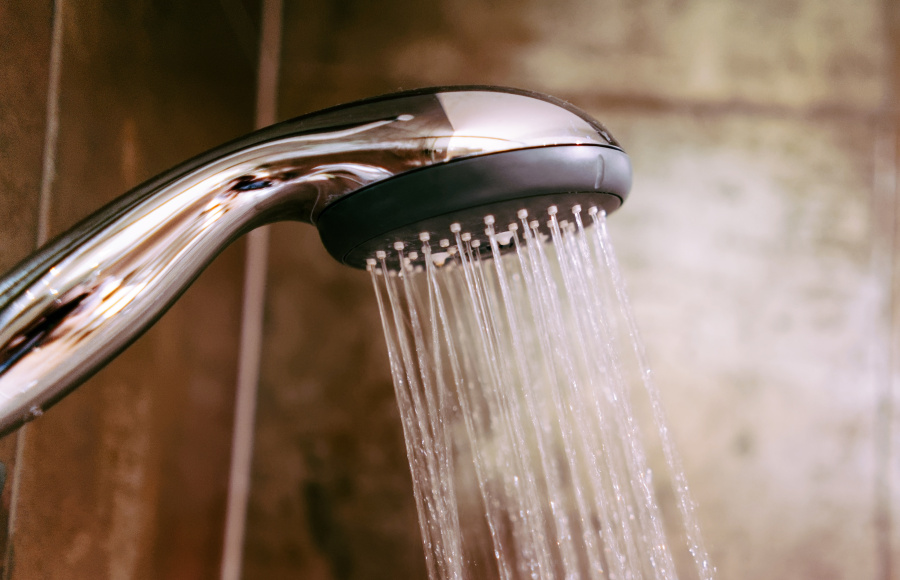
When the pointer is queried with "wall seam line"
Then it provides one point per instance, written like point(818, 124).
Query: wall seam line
point(48, 175)
point(253, 311)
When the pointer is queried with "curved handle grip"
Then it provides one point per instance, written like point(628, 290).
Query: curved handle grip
point(73, 306)
point(80, 300)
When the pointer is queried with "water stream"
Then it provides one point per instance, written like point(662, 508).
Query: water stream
point(517, 367)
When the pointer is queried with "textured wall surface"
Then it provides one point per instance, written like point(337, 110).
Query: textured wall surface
point(750, 260)
point(758, 246)
point(127, 477)
point(23, 105)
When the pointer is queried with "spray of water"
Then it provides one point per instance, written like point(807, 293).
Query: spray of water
point(516, 361)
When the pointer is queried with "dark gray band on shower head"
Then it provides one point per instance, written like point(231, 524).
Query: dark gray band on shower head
point(465, 190)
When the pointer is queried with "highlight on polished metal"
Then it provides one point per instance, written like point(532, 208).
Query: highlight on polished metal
point(72, 306)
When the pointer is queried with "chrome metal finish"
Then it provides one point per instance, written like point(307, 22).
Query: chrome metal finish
point(75, 304)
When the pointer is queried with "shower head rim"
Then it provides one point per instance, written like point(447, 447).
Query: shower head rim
point(355, 226)
point(439, 89)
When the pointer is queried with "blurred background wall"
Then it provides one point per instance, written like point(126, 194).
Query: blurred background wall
point(758, 246)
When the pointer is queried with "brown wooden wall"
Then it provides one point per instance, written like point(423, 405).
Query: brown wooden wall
point(127, 477)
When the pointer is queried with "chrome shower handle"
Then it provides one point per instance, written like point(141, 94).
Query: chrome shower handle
point(76, 304)
point(72, 306)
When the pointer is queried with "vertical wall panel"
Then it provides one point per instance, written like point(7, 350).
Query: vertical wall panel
point(127, 477)
point(25, 38)
point(25, 35)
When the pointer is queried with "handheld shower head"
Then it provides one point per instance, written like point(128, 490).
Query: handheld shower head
point(490, 152)
point(367, 175)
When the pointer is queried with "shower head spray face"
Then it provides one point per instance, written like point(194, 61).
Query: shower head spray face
point(464, 191)
point(368, 175)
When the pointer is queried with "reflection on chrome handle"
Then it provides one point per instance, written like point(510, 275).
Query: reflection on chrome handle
point(68, 314)
point(68, 309)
